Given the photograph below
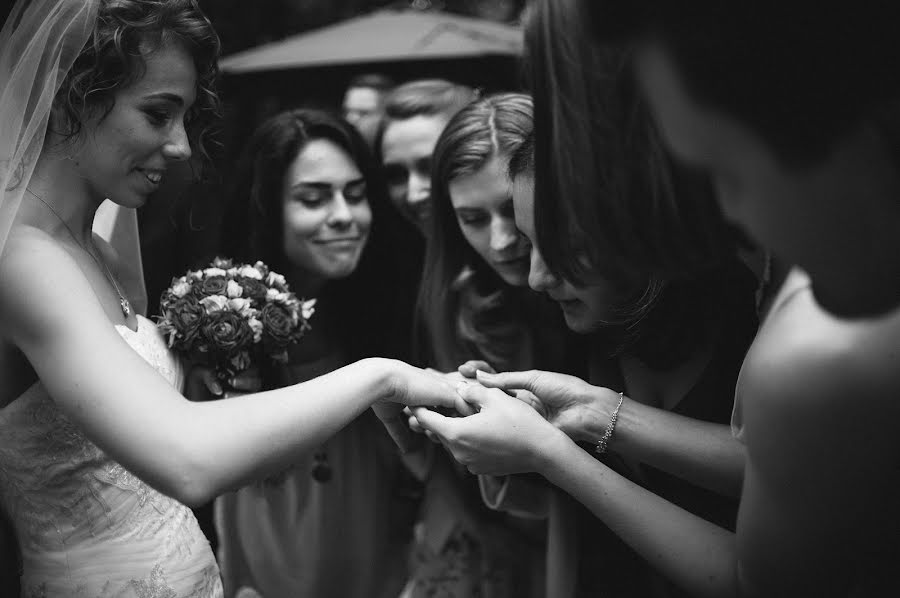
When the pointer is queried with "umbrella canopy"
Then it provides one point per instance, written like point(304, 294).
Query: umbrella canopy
point(382, 36)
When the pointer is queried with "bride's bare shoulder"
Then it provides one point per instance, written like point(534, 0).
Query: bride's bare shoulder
point(35, 272)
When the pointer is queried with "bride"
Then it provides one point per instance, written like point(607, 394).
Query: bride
point(99, 452)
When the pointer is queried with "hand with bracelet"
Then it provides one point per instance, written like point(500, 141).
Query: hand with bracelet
point(577, 408)
point(701, 452)
point(507, 437)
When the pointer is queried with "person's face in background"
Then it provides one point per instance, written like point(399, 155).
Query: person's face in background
point(326, 212)
point(483, 205)
point(819, 217)
point(406, 149)
point(585, 308)
point(124, 154)
point(363, 108)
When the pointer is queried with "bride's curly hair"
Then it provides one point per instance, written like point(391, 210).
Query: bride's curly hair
point(125, 31)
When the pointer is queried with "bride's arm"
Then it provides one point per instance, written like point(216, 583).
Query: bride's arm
point(191, 451)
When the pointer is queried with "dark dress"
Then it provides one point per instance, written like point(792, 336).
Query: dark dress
point(608, 566)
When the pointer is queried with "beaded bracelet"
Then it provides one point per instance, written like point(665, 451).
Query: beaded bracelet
point(607, 434)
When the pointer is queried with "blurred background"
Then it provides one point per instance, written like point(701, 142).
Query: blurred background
point(279, 54)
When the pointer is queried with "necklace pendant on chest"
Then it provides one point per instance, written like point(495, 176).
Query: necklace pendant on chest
point(126, 307)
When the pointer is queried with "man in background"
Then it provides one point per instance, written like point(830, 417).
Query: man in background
point(415, 115)
point(363, 105)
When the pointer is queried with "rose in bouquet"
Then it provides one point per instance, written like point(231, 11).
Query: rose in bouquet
point(232, 316)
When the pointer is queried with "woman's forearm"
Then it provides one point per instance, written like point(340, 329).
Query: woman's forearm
point(703, 453)
point(693, 553)
point(237, 440)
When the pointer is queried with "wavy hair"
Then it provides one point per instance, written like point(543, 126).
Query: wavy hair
point(467, 309)
point(113, 58)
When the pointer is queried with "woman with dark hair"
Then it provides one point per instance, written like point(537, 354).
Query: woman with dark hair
point(474, 305)
point(308, 200)
point(100, 454)
point(746, 94)
point(792, 110)
point(667, 341)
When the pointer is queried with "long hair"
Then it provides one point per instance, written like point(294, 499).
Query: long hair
point(254, 226)
point(609, 200)
point(622, 203)
point(467, 309)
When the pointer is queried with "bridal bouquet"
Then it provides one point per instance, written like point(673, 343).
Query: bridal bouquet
point(230, 316)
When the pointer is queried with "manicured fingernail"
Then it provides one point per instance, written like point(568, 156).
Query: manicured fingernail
point(216, 388)
point(483, 374)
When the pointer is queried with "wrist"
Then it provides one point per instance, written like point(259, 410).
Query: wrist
point(547, 451)
point(593, 413)
point(602, 444)
point(380, 374)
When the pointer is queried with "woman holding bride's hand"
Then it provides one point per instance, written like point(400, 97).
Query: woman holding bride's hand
point(99, 451)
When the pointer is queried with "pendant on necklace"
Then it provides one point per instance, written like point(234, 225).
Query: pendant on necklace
point(126, 307)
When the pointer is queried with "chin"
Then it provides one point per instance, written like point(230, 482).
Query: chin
point(579, 325)
point(515, 280)
point(339, 272)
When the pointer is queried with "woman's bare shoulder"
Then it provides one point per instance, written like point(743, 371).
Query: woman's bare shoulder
point(817, 374)
point(39, 280)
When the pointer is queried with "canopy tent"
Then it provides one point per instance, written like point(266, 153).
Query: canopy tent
point(384, 36)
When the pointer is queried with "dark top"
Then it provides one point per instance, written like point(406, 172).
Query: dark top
point(710, 399)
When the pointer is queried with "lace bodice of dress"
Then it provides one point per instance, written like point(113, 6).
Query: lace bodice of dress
point(85, 525)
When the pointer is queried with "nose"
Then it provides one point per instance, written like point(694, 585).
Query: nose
point(504, 234)
point(352, 116)
point(177, 146)
point(540, 278)
point(340, 215)
point(418, 189)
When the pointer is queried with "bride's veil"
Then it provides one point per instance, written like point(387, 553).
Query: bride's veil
point(38, 44)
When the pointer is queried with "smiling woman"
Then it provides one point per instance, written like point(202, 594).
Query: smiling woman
point(100, 453)
point(310, 176)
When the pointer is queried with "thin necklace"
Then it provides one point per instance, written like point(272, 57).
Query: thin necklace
point(123, 302)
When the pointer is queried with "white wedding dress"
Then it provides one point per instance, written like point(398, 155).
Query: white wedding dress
point(86, 527)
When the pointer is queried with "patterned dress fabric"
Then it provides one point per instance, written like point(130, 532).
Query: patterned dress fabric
point(86, 527)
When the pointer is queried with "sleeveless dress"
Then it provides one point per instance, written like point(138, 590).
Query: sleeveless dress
point(86, 527)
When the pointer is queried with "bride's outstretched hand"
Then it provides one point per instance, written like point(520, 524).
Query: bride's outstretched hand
point(506, 436)
point(562, 399)
point(415, 387)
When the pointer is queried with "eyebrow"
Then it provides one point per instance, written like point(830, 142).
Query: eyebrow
point(171, 97)
point(321, 185)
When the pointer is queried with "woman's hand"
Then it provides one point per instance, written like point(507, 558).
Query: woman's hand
point(409, 385)
point(563, 400)
point(506, 436)
point(470, 368)
point(202, 384)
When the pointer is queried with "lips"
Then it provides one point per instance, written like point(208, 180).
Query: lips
point(153, 175)
point(514, 262)
point(340, 243)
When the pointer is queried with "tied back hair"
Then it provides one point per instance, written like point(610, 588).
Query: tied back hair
point(467, 310)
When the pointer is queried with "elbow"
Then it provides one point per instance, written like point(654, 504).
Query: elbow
point(190, 484)
point(192, 494)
